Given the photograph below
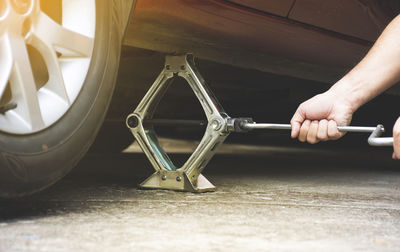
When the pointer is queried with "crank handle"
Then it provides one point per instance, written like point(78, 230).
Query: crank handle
point(374, 139)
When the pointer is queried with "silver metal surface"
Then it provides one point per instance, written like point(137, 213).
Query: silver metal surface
point(375, 140)
point(267, 126)
point(381, 141)
point(277, 126)
point(175, 122)
point(360, 129)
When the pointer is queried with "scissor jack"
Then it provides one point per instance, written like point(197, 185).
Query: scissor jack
point(219, 126)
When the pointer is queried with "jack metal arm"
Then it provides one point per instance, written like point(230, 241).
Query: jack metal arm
point(167, 175)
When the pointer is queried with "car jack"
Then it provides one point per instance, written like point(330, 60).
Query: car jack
point(219, 126)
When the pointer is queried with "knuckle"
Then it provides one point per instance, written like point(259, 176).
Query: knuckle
point(334, 136)
point(312, 139)
point(312, 142)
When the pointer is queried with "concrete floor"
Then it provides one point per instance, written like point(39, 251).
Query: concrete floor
point(265, 202)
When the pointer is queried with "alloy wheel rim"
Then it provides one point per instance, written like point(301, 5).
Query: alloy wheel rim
point(43, 61)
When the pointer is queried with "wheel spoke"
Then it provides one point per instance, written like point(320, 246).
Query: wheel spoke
point(6, 63)
point(56, 82)
point(23, 86)
point(44, 61)
point(68, 42)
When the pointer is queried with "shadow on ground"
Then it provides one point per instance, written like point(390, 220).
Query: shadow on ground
point(116, 177)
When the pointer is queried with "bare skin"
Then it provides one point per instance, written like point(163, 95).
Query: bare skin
point(317, 118)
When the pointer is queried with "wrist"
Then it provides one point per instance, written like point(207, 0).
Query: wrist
point(348, 93)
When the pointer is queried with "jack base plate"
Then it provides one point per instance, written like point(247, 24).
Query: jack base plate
point(178, 181)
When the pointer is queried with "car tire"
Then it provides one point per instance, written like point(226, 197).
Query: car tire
point(33, 161)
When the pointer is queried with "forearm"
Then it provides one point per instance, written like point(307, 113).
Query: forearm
point(379, 69)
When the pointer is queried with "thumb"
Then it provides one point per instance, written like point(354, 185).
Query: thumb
point(396, 139)
point(296, 122)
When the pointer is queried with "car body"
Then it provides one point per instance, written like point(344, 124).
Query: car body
point(302, 38)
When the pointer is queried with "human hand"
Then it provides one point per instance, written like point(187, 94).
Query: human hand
point(317, 118)
point(396, 140)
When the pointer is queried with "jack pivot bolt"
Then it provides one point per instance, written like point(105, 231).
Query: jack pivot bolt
point(132, 121)
point(216, 124)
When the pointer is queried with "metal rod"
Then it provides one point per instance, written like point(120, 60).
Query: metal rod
point(375, 140)
point(381, 141)
point(267, 126)
point(174, 122)
point(277, 126)
point(288, 127)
